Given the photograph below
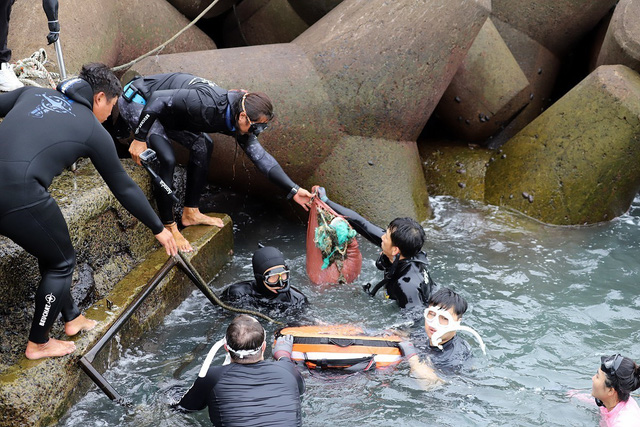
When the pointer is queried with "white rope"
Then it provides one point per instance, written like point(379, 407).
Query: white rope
point(33, 68)
point(163, 45)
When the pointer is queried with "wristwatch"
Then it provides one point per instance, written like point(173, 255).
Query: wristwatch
point(293, 192)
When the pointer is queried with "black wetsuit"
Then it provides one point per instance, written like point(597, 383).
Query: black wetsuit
point(44, 132)
point(454, 355)
point(185, 108)
point(406, 280)
point(266, 393)
point(248, 291)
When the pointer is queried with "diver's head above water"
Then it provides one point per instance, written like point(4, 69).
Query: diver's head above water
point(445, 311)
point(270, 271)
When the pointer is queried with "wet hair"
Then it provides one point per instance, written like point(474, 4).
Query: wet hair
point(445, 298)
point(101, 79)
point(625, 380)
point(257, 105)
point(245, 333)
point(407, 235)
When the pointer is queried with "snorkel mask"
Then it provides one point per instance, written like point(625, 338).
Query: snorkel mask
point(442, 321)
point(254, 128)
point(277, 279)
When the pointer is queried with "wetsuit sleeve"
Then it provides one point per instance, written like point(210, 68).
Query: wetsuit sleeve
point(8, 100)
point(105, 159)
point(366, 229)
point(196, 397)
point(290, 366)
point(265, 162)
point(157, 105)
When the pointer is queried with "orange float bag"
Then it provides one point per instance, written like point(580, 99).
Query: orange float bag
point(333, 255)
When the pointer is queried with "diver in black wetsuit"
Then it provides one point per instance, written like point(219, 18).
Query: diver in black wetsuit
point(43, 132)
point(271, 284)
point(405, 265)
point(249, 391)
point(185, 108)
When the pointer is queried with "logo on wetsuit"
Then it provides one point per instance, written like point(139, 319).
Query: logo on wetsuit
point(201, 80)
point(49, 299)
point(52, 103)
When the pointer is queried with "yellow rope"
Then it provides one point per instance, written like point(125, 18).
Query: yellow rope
point(163, 45)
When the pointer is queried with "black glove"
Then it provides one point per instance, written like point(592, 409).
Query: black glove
point(283, 347)
point(54, 32)
point(407, 349)
point(51, 10)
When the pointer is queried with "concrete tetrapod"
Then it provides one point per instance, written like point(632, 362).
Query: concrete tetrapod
point(577, 162)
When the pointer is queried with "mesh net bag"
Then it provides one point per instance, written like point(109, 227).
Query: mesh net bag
point(333, 255)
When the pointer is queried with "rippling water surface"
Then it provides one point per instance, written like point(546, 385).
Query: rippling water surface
point(548, 302)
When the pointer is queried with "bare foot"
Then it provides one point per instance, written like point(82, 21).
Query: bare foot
point(193, 216)
point(52, 348)
point(78, 324)
point(182, 243)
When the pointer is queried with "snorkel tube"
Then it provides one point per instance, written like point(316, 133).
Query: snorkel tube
point(212, 353)
point(436, 338)
point(432, 316)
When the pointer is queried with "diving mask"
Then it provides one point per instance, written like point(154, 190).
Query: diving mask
point(277, 279)
point(442, 321)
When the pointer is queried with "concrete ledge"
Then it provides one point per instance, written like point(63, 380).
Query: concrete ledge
point(37, 393)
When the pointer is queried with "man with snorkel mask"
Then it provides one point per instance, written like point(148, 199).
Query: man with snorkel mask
point(444, 348)
point(249, 390)
point(271, 284)
point(185, 108)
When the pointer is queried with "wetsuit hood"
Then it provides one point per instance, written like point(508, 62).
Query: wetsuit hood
point(263, 259)
point(77, 89)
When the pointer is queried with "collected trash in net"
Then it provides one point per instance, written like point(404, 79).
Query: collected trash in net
point(333, 254)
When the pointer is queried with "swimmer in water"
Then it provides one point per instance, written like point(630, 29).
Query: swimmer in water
point(616, 378)
point(271, 284)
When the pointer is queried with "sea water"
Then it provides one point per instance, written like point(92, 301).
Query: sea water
point(548, 302)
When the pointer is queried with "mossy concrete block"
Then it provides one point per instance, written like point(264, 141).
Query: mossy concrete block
point(257, 22)
point(487, 91)
point(455, 169)
point(386, 64)
point(378, 178)
point(556, 24)
point(540, 66)
point(621, 43)
point(112, 32)
point(577, 162)
point(37, 393)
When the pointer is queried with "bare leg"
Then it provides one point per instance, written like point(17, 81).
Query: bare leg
point(193, 216)
point(78, 324)
point(183, 244)
point(52, 348)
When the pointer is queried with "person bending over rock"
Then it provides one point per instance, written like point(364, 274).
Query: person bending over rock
point(184, 108)
point(43, 132)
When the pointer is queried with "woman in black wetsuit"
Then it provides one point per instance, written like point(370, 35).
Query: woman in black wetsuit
point(43, 132)
point(184, 108)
